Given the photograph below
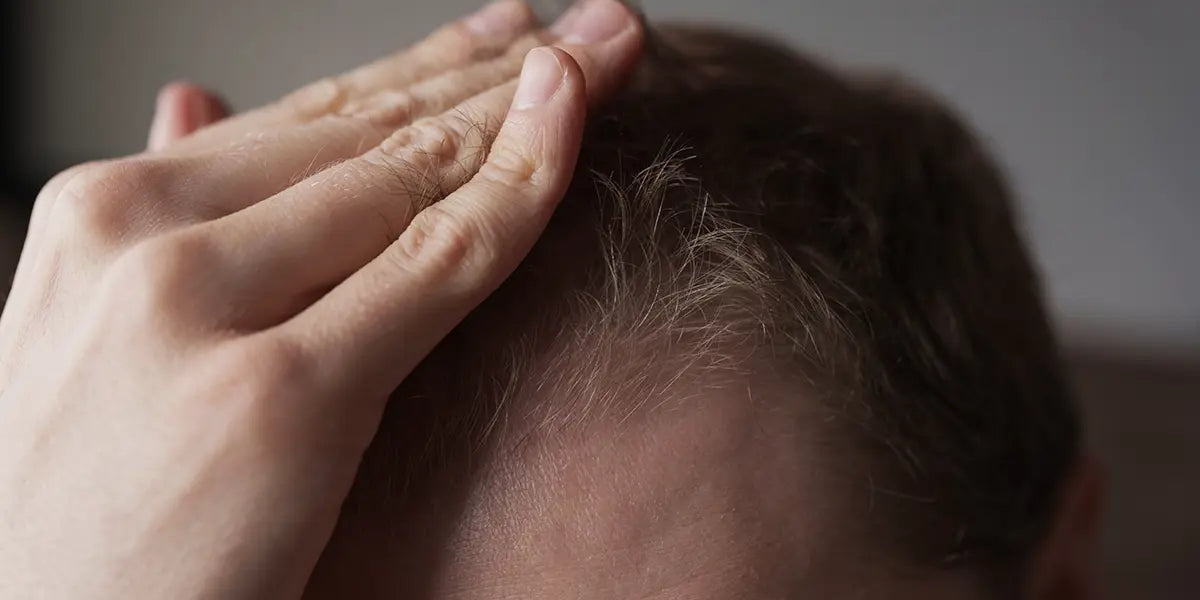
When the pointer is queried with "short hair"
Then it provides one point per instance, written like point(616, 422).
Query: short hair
point(742, 213)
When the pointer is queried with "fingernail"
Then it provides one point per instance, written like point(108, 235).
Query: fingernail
point(497, 18)
point(592, 21)
point(541, 76)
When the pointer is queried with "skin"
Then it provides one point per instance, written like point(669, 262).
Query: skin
point(714, 495)
point(175, 424)
point(201, 338)
point(708, 497)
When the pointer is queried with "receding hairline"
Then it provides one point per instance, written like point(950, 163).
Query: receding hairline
point(671, 271)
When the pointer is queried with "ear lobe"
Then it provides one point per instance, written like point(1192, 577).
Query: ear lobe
point(1065, 566)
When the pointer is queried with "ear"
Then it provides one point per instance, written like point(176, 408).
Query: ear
point(1064, 567)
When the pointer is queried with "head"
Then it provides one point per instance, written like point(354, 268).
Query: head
point(782, 339)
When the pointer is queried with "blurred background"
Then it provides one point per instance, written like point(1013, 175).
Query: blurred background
point(1092, 106)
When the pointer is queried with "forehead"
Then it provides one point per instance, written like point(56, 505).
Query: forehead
point(534, 444)
point(711, 472)
point(720, 482)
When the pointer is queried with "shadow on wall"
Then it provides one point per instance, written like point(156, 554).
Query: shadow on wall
point(1142, 415)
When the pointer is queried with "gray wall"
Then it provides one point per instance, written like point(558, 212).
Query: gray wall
point(1091, 105)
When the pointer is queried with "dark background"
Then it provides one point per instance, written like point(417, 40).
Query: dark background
point(1091, 106)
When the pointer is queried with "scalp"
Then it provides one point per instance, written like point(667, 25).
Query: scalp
point(744, 217)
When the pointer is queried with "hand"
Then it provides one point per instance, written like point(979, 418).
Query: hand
point(201, 339)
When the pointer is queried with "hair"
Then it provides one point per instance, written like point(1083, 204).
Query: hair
point(742, 213)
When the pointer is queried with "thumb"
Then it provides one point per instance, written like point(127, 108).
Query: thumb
point(181, 109)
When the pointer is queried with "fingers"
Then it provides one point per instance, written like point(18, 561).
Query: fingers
point(483, 34)
point(369, 332)
point(604, 38)
point(486, 33)
point(255, 167)
point(601, 31)
point(328, 226)
point(181, 109)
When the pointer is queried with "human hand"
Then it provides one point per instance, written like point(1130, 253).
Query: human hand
point(200, 340)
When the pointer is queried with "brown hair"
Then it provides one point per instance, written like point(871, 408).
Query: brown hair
point(742, 212)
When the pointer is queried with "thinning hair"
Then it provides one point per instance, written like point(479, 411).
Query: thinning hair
point(741, 213)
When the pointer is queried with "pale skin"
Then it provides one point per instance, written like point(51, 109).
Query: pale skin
point(201, 338)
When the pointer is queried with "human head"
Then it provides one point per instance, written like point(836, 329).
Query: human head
point(797, 293)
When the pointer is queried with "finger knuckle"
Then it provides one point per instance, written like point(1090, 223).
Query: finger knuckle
point(429, 146)
point(272, 366)
point(53, 189)
point(456, 44)
point(321, 97)
point(388, 109)
point(359, 125)
point(436, 243)
point(510, 168)
point(55, 185)
point(159, 275)
point(100, 202)
point(249, 378)
point(423, 162)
